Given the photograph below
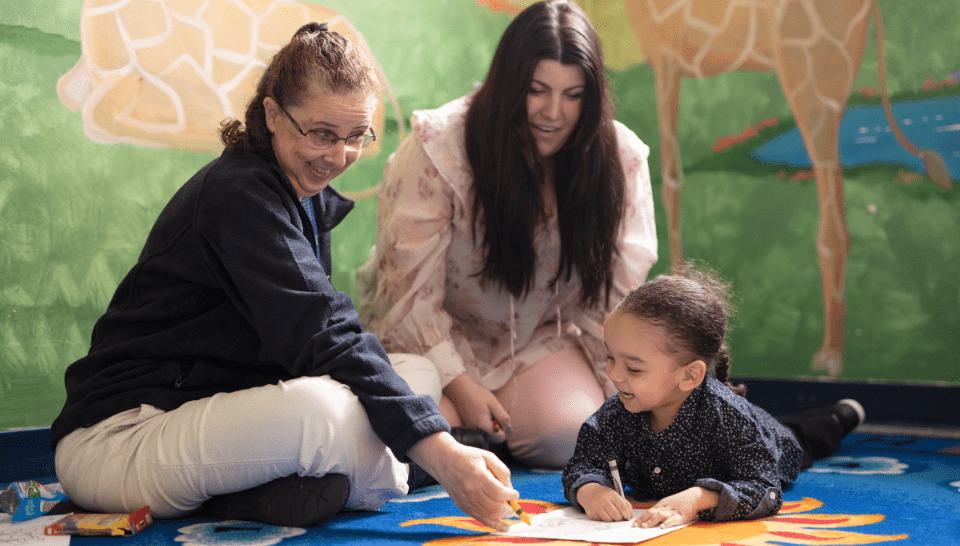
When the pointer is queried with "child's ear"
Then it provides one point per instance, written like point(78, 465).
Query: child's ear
point(693, 374)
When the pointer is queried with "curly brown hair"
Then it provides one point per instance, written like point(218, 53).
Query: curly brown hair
point(315, 59)
point(693, 308)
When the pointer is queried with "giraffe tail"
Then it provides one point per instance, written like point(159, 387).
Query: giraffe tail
point(932, 162)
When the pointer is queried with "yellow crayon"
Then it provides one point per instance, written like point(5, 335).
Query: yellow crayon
point(519, 511)
point(515, 506)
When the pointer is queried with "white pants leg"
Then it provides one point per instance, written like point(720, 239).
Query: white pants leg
point(173, 461)
point(419, 373)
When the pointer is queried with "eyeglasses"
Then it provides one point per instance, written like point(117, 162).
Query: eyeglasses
point(322, 140)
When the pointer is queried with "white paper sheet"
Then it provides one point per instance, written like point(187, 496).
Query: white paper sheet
point(572, 524)
point(30, 532)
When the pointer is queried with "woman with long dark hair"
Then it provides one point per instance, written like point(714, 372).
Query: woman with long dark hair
point(510, 223)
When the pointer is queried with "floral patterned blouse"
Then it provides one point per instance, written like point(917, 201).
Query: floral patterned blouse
point(418, 292)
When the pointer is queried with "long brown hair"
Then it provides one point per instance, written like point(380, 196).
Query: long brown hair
point(509, 173)
point(693, 310)
point(315, 59)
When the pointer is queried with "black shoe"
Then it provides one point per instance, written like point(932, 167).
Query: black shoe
point(418, 478)
point(293, 501)
point(849, 413)
point(476, 438)
point(470, 437)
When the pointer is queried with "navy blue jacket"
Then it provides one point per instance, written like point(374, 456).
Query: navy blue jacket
point(229, 294)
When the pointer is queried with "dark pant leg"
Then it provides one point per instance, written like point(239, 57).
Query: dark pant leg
point(818, 431)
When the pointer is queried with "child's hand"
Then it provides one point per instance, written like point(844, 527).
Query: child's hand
point(602, 503)
point(677, 509)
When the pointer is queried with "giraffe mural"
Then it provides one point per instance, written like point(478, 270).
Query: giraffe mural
point(815, 47)
point(165, 73)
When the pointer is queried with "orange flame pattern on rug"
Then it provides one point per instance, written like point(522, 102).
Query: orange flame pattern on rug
point(792, 525)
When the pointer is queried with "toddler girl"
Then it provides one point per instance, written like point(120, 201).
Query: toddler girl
point(681, 434)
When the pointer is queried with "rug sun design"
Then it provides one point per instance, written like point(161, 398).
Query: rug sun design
point(792, 525)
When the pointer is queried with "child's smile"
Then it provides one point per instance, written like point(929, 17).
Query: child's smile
point(646, 377)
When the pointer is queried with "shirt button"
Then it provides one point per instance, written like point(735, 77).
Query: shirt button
point(656, 470)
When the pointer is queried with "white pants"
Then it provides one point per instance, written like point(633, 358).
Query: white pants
point(173, 461)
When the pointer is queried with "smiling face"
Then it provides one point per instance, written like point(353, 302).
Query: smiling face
point(310, 170)
point(647, 377)
point(554, 101)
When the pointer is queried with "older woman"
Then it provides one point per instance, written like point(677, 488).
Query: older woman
point(227, 370)
point(510, 222)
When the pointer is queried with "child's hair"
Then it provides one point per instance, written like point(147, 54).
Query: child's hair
point(692, 308)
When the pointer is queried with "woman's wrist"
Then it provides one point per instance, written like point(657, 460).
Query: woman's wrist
point(458, 387)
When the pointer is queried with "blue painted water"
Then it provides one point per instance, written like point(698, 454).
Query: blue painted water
point(865, 136)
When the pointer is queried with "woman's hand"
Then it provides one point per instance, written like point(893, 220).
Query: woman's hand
point(477, 481)
point(602, 503)
point(678, 509)
point(478, 407)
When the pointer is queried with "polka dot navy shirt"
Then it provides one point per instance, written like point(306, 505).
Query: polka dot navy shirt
point(718, 441)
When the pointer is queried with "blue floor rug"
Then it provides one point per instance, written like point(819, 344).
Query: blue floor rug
point(877, 489)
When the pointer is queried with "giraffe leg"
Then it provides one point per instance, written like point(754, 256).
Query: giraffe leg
point(817, 58)
point(668, 105)
point(833, 247)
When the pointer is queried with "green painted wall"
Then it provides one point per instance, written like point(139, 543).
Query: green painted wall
point(74, 214)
